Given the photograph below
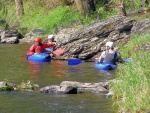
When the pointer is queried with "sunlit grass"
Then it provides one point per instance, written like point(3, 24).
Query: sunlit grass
point(135, 40)
point(132, 89)
point(40, 18)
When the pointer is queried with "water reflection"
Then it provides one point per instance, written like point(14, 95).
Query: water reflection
point(44, 75)
point(111, 72)
point(34, 69)
point(108, 75)
point(59, 71)
point(74, 70)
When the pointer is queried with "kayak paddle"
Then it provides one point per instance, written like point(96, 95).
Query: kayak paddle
point(74, 61)
point(128, 60)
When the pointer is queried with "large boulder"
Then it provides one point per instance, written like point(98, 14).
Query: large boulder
point(87, 42)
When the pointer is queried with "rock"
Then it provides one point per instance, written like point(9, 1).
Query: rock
point(73, 87)
point(59, 89)
point(87, 42)
point(141, 27)
point(29, 37)
point(100, 89)
point(10, 36)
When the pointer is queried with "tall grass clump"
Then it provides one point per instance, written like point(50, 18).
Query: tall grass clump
point(132, 86)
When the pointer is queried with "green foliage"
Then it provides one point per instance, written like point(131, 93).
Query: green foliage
point(132, 88)
point(39, 17)
point(103, 14)
point(39, 14)
point(3, 10)
point(28, 86)
point(6, 86)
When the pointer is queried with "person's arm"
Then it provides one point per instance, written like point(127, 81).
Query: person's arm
point(118, 58)
point(31, 50)
point(53, 43)
point(47, 45)
point(101, 58)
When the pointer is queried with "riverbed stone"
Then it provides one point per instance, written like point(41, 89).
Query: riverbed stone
point(74, 87)
point(54, 89)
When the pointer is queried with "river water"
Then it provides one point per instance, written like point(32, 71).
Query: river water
point(15, 68)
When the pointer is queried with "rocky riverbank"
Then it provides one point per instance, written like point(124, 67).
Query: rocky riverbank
point(85, 42)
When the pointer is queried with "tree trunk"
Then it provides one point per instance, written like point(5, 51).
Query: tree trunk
point(19, 8)
point(85, 7)
point(121, 8)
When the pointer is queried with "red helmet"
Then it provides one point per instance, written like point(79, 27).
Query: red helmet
point(39, 40)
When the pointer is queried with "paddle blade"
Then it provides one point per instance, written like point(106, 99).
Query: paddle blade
point(128, 60)
point(74, 62)
point(58, 52)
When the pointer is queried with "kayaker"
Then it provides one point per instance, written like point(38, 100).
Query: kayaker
point(52, 41)
point(38, 47)
point(110, 55)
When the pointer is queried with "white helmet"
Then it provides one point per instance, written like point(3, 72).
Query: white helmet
point(51, 36)
point(110, 44)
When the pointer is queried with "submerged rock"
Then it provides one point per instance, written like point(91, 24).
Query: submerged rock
point(73, 87)
point(54, 89)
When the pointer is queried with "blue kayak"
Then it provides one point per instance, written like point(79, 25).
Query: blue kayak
point(105, 66)
point(39, 58)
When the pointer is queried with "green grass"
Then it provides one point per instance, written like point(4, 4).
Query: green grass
point(135, 40)
point(39, 17)
point(132, 89)
point(129, 4)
